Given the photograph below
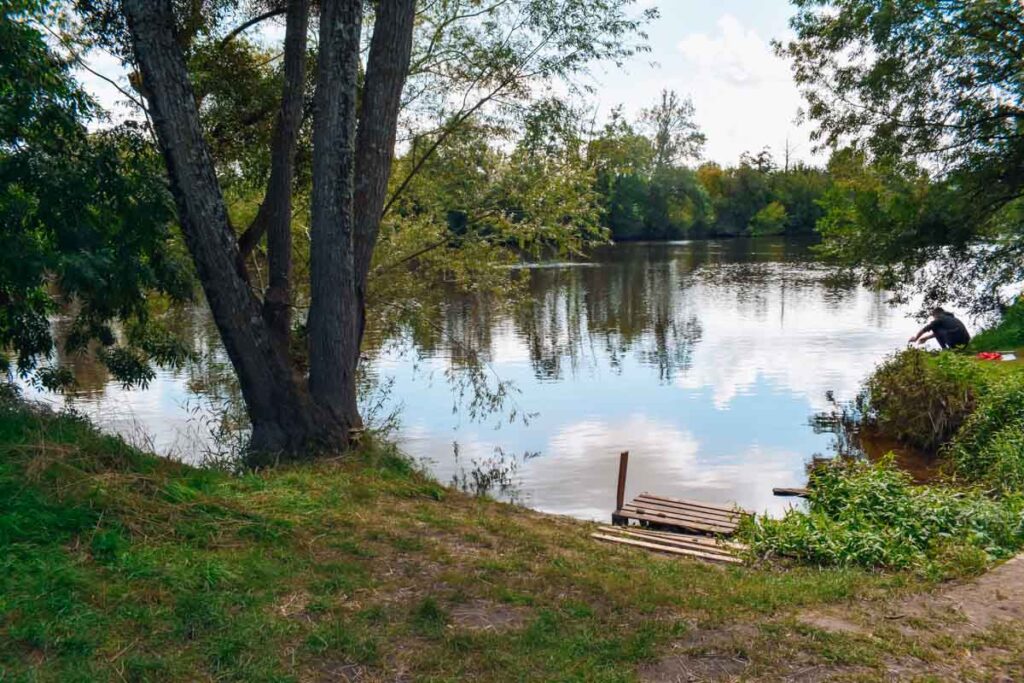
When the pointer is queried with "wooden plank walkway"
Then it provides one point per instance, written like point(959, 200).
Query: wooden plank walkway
point(688, 545)
point(688, 515)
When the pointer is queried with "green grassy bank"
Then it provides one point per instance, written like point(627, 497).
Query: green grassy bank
point(117, 565)
point(967, 412)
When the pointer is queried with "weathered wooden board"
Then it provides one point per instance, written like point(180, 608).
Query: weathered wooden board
point(658, 516)
point(696, 504)
point(671, 549)
point(685, 541)
point(724, 515)
point(679, 509)
point(703, 541)
point(689, 515)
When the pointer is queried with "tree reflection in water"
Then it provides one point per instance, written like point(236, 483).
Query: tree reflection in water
point(709, 357)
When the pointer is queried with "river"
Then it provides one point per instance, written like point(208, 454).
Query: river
point(706, 360)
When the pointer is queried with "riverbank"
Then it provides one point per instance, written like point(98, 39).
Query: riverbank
point(118, 565)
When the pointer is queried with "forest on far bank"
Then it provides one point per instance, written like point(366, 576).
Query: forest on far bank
point(630, 179)
point(652, 183)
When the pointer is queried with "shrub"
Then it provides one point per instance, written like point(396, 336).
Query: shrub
point(989, 448)
point(871, 515)
point(922, 398)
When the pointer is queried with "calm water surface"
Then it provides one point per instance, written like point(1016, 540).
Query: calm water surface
point(704, 359)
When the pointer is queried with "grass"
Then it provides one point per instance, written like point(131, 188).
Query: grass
point(117, 565)
point(871, 514)
point(1007, 335)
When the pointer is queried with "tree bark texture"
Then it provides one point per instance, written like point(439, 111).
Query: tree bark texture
point(386, 71)
point(283, 418)
point(275, 214)
point(333, 323)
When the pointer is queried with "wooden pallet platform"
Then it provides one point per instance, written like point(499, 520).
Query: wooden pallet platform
point(687, 545)
point(688, 515)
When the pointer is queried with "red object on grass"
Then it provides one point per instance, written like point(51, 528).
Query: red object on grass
point(989, 355)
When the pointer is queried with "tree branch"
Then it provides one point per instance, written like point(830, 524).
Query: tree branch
point(66, 44)
point(241, 28)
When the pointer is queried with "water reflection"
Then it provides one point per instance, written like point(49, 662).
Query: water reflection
point(704, 359)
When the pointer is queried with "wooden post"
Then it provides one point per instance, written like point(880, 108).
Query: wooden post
point(620, 490)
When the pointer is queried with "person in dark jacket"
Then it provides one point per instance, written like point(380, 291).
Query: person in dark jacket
point(945, 328)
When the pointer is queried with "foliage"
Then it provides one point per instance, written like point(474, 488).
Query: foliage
point(989, 447)
point(674, 135)
point(1007, 334)
point(85, 218)
point(487, 196)
point(771, 220)
point(971, 412)
point(922, 83)
point(871, 515)
point(922, 398)
point(890, 220)
point(649, 193)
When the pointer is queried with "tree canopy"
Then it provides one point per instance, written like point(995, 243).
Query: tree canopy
point(930, 96)
point(279, 162)
point(651, 186)
point(85, 218)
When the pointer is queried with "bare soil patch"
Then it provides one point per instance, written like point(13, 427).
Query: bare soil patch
point(703, 655)
point(683, 668)
point(957, 609)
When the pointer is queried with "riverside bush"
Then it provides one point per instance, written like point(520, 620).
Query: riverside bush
point(989, 448)
point(871, 515)
point(922, 398)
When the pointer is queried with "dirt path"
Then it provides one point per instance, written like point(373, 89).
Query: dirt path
point(968, 630)
point(958, 609)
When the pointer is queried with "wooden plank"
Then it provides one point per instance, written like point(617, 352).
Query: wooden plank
point(679, 515)
point(682, 509)
point(699, 526)
point(720, 514)
point(695, 503)
point(785, 491)
point(679, 520)
point(667, 549)
point(711, 507)
point(708, 541)
point(703, 540)
point(680, 542)
point(681, 523)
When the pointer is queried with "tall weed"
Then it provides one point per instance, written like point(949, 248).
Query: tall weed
point(871, 515)
point(989, 448)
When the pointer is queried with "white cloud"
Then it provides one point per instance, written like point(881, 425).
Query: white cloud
point(735, 55)
point(744, 94)
point(808, 341)
point(577, 477)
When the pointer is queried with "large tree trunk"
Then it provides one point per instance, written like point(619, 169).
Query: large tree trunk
point(275, 213)
point(387, 68)
point(283, 417)
point(334, 313)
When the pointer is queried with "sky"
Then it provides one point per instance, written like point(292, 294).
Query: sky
point(718, 53)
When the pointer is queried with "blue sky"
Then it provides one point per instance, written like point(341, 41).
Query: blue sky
point(719, 54)
point(716, 52)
